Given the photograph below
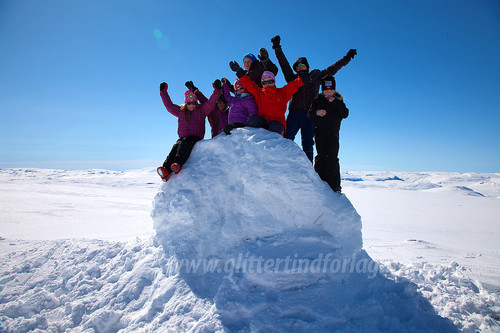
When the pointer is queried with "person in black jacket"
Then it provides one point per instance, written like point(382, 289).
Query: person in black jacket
point(301, 100)
point(327, 111)
point(255, 68)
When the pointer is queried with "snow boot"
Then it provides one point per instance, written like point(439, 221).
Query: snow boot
point(164, 174)
point(175, 167)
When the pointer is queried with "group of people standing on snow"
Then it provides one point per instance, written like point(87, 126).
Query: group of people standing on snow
point(257, 102)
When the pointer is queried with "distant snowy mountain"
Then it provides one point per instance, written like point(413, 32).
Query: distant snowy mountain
point(247, 238)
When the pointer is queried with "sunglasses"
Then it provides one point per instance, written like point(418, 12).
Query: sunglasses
point(191, 103)
point(298, 65)
point(267, 82)
point(240, 88)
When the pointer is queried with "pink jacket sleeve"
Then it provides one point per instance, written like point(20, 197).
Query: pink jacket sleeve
point(209, 105)
point(171, 107)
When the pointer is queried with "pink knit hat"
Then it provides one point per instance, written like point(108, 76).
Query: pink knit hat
point(267, 76)
point(190, 96)
point(237, 84)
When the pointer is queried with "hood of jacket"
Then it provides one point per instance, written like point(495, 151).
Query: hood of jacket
point(300, 60)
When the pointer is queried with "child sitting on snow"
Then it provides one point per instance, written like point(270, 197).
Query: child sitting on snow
point(241, 107)
point(327, 111)
point(191, 126)
point(271, 101)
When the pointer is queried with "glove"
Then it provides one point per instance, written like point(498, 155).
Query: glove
point(228, 129)
point(263, 56)
point(234, 66)
point(351, 53)
point(217, 84)
point(190, 86)
point(163, 86)
point(226, 81)
point(276, 41)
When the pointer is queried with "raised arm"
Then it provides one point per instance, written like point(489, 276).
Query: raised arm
point(331, 70)
point(282, 60)
point(190, 85)
point(292, 87)
point(209, 105)
point(225, 91)
point(251, 86)
point(266, 62)
point(174, 109)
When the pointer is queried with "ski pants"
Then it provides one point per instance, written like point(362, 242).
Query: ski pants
point(259, 122)
point(297, 119)
point(327, 162)
point(180, 151)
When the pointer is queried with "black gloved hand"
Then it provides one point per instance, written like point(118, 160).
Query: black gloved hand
point(351, 53)
point(276, 41)
point(163, 86)
point(264, 55)
point(228, 129)
point(217, 84)
point(234, 66)
point(190, 86)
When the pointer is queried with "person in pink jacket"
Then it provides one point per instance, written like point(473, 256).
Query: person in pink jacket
point(219, 115)
point(191, 126)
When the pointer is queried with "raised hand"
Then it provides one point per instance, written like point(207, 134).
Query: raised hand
point(276, 41)
point(190, 86)
point(263, 55)
point(217, 84)
point(234, 66)
point(351, 53)
point(163, 86)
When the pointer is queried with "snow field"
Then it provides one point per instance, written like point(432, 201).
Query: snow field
point(435, 261)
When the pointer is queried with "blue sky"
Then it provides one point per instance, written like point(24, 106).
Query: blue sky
point(79, 79)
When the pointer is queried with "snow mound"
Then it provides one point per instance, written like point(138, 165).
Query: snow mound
point(249, 185)
point(254, 231)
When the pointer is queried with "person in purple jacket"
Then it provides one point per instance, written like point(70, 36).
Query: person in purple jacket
point(218, 117)
point(191, 126)
point(241, 107)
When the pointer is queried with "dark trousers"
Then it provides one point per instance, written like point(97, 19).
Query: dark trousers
point(259, 122)
point(180, 151)
point(327, 162)
point(297, 119)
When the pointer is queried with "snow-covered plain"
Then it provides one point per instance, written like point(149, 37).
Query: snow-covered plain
point(248, 238)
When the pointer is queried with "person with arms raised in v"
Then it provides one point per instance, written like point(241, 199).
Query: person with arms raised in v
point(301, 100)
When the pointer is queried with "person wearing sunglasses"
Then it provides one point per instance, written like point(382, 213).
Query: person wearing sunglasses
point(190, 126)
point(301, 100)
point(271, 101)
point(327, 112)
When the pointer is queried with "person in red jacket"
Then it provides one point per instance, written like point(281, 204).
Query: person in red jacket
point(271, 101)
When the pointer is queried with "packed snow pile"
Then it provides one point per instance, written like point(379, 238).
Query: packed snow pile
point(254, 231)
point(246, 186)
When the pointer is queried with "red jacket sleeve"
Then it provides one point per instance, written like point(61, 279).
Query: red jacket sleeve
point(292, 87)
point(251, 86)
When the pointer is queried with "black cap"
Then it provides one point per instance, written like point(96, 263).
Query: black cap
point(328, 83)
